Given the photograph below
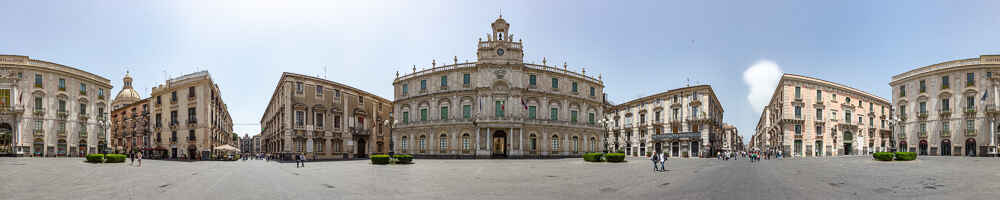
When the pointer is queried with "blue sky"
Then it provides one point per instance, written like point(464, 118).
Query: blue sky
point(640, 47)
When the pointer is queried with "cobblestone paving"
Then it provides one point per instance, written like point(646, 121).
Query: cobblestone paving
point(811, 178)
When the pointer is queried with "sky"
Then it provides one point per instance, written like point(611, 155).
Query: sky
point(639, 47)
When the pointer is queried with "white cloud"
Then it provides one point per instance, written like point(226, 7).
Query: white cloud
point(762, 78)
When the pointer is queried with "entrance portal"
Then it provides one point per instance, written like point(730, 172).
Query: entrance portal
point(499, 144)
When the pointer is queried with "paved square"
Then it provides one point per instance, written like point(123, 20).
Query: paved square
point(820, 178)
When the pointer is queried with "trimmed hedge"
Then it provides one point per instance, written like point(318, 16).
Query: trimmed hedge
point(403, 158)
point(95, 158)
point(115, 158)
point(883, 156)
point(592, 157)
point(380, 159)
point(615, 157)
point(906, 156)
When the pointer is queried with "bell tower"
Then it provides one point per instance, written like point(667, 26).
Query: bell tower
point(500, 47)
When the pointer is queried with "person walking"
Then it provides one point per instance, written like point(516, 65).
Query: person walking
point(139, 157)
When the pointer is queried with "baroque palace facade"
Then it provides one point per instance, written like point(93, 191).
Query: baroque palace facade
point(683, 122)
point(807, 116)
point(949, 108)
point(498, 106)
point(323, 119)
point(48, 109)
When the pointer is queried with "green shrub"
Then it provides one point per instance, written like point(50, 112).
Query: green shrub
point(593, 157)
point(380, 159)
point(883, 156)
point(95, 158)
point(403, 158)
point(905, 156)
point(615, 157)
point(115, 158)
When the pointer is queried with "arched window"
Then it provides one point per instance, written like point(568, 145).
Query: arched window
point(465, 142)
point(422, 143)
point(404, 144)
point(534, 142)
point(443, 143)
point(555, 143)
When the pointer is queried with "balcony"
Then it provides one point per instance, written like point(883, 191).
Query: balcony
point(945, 134)
point(970, 132)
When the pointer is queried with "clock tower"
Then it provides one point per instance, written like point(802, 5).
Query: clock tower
point(500, 47)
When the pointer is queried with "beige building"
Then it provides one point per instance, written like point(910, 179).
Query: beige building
point(948, 108)
point(684, 122)
point(48, 109)
point(812, 117)
point(189, 117)
point(498, 106)
point(324, 120)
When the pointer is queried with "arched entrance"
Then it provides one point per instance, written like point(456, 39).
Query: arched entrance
point(499, 144)
point(361, 148)
point(6, 139)
point(848, 140)
point(923, 147)
point(970, 147)
point(945, 147)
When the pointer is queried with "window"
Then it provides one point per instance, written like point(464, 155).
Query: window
point(318, 119)
point(554, 115)
point(798, 112)
point(798, 129)
point(531, 112)
point(944, 82)
point(466, 78)
point(798, 92)
point(466, 111)
point(405, 89)
point(902, 91)
point(945, 105)
point(300, 118)
point(819, 114)
point(531, 80)
point(443, 142)
point(591, 91)
point(423, 114)
point(444, 112)
point(465, 142)
point(62, 84)
point(406, 117)
point(191, 92)
point(423, 85)
point(38, 80)
point(444, 81)
point(970, 79)
point(499, 108)
point(298, 87)
point(574, 87)
point(555, 83)
point(923, 86)
point(319, 91)
point(555, 143)
point(572, 116)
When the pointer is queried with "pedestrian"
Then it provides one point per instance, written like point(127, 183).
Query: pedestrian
point(663, 159)
point(653, 158)
point(139, 156)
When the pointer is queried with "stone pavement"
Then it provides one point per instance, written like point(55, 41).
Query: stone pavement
point(819, 178)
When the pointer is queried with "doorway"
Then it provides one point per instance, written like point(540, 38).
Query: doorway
point(499, 144)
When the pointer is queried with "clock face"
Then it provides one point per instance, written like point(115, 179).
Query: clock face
point(500, 52)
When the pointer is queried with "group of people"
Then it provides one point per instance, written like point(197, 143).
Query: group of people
point(659, 161)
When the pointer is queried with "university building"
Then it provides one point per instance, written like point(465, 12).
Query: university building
point(497, 106)
point(808, 116)
point(683, 122)
point(949, 108)
point(323, 119)
point(48, 109)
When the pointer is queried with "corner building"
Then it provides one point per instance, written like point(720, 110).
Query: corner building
point(498, 106)
point(323, 119)
point(949, 108)
point(683, 122)
point(808, 117)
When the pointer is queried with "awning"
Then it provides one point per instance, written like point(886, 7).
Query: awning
point(673, 136)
